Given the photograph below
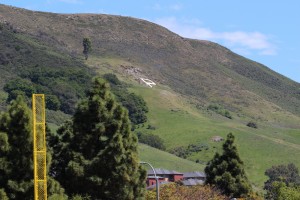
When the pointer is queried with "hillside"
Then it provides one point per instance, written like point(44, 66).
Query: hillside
point(43, 52)
point(215, 74)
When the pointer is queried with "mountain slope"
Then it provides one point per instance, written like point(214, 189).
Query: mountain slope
point(190, 76)
point(202, 69)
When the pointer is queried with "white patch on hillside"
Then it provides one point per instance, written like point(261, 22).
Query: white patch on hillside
point(148, 82)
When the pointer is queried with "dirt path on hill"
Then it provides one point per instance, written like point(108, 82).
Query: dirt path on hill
point(280, 141)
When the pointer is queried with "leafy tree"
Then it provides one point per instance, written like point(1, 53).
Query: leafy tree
point(17, 172)
point(288, 175)
point(226, 171)
point(3, 195)
point(87, 47)
point(52, 102)
point(112, 79)
point(14, 93)
point(136, 106)
point(96, 153)
point(151, 140)
point(280, 191)
point(16, 153)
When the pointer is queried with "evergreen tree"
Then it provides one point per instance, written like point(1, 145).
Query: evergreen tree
point(226, 171)
point(16, 153)
point(17, 166)
point(87, 47)
point(97, 152)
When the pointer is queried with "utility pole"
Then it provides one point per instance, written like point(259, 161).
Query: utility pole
point(156, 178)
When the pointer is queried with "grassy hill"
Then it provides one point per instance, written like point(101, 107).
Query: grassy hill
point(43, 51)
point(164, 160)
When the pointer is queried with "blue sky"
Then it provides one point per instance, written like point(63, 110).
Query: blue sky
point(266, 31)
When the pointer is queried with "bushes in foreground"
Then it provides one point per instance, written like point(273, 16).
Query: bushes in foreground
point(174, 191)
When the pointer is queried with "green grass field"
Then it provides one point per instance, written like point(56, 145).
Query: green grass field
point(179, 123)
point(164, 160)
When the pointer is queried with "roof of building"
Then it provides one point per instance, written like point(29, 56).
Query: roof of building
point(195, 174)
point(190, 182)
point(159, 177)
point(163, 171)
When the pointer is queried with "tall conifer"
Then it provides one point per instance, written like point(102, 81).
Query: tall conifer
point(16, 154)
point(226, 171)
point(101, 158)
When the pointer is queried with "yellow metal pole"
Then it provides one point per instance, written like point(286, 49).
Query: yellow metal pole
point(39, 147)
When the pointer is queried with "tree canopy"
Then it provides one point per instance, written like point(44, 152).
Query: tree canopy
point(226, 171)
point(96, 152)
point(16, 153)
point(283, 180)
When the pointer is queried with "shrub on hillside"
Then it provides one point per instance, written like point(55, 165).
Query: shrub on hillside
point(252, 125)
point(219, 110)
point(151, 140)
point(186, 151)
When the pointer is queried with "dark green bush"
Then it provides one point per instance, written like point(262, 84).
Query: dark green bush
point(151, 140)
point(112, 79)
point(220, 110)
point(252, 125)
point(151, 127)
point(136, 106)
point(186, 151)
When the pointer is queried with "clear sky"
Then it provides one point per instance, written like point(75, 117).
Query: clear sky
point(267, 31)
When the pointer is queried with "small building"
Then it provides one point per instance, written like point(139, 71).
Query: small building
point(194, 175)
point(193, 178)
point(151, 180)
point(192, 182)
point(168, 175)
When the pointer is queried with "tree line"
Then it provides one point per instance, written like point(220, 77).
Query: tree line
point(93, 156)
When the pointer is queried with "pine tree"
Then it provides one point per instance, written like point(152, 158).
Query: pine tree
point(97, 151)
point(16, 153)
point(17, 171)
point(87, 47)
point(226, 171)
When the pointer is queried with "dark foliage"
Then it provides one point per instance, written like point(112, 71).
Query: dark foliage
point(96, 153)
point(16, 150)
point(151, 140)
point(151, 127)
point(287, 174)
point(185, 152)
point(87, 47)
point(252, 125)
point(37, 68)
point(219, 110)
point(136, 106)
point(62, 87)
point(226, 171)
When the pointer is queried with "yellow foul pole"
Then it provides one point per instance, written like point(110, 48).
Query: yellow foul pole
point(39, 147)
